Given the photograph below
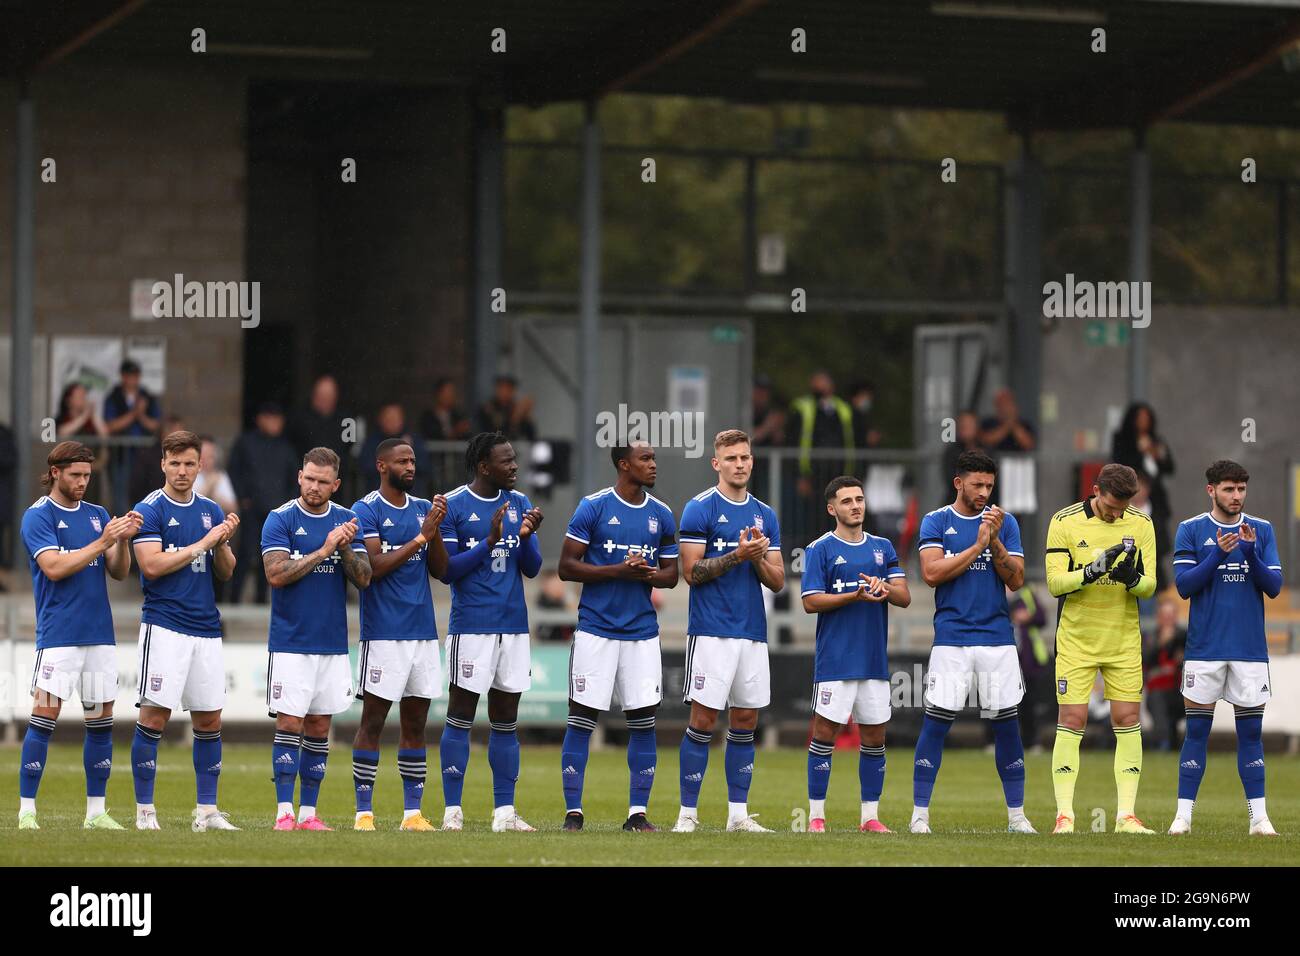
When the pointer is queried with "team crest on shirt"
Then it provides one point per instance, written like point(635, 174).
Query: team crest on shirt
point(758, 523)
point(275, 690)
point(826, 697)
point(1128, 542)
point(155, 683)
point(467, 669)
point(375, 674)
point(207, 521)
point(47, 671)
point(880, 557)
point(94, 523)
point(1061, 685)
point(653, 525)
point(513, 515)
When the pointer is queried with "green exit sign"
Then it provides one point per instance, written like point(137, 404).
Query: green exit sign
point(727, 333)
point(1106, 333)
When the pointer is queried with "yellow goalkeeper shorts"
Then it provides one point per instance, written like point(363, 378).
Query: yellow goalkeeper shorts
point(1074, 679)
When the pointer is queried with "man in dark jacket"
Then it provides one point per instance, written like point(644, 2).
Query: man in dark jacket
point(264, 471)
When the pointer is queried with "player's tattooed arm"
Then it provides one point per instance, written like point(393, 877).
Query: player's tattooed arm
point(1009, 568)
point(356, 565)
point(704, 570)
point(282, 570)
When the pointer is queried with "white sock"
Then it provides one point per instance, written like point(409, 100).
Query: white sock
point(869, 809)
point(204, 808)
point(362, 813)
point(921, 813)
point(632, 811)
point(1015, 813)
point(450, 811)
point(143, 808)
point(26, 804)
point(305, 813)
point(504, 813)
point(282, 808)
point(94, 806)
point(1185, 809)
point(692, 812)
point(737, 811)
point(407, 814)
point(1256, 807)
point(816, 809)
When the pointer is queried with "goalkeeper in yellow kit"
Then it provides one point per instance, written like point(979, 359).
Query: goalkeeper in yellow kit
point(1101, 557)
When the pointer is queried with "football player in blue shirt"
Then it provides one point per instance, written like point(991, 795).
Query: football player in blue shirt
point(970, 554)
point(310, 550)
point(620, 543)
point(849, 578)
point(730, 550)
point(70, 543)
point(182, 544)
point(490, 536)
point(399, 637)
point(1225, 561)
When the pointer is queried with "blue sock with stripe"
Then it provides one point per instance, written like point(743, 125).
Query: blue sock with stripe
point(693, 759)
point(453, 750)
point(642, 758)
point(740, 765)
point(929, 753)
point(144, 762)
point(97, 755)
point(207, 765)
point(1250, 751)
point(286, 754)
point(820, 753)
point(1196, 747)
point(503, 758)
point(1009, 752)
point(311, 769)
point(871, 772)
point(365, 770)
point(573, 759)
point(413, 767)
point(35, 754)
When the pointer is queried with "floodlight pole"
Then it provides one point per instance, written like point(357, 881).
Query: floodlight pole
point(589, 304)
point(24, 272)
point(1139, 259)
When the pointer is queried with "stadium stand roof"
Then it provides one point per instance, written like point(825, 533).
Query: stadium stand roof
point(1031, 61)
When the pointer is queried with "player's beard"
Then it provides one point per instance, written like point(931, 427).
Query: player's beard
point(73, 493)
point(1229, 508)
point(400, 483)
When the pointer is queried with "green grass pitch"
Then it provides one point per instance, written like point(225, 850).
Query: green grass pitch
point(967, 814)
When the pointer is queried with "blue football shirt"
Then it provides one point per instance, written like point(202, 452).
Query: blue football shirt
point(309, 616)
point(731, 605)
point(971, 609)
point(73, 612)
point(398, 606)
point(183, 601)
point(490, 598)
point(612, 529)
point(850, 639)
point(1226, 620)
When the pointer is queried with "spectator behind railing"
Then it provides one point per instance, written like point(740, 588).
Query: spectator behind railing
point(213, 482)
point(1136, 443)
point(128, 410)
point(1163, 660)
point(264, 471)
point(507, 411)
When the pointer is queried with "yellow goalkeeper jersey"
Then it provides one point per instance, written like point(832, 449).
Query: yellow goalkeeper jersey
point(1098, 621)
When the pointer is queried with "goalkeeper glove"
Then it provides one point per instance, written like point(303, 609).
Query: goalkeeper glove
point(1102, 564)
point(1126, 572)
